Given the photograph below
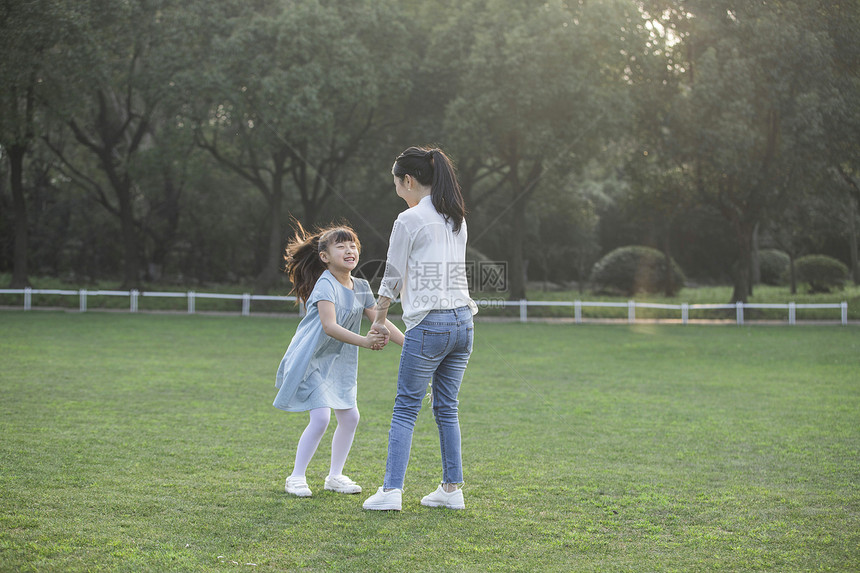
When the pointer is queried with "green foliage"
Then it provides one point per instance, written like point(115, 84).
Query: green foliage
point(562, 94)
point(200, 127)
point(635, 269)
point(821, 273)
point(774, 264)
point(157, 449)
point(748, 124)
point(288, 98)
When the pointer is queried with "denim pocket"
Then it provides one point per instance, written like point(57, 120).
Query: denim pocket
point(433, 344)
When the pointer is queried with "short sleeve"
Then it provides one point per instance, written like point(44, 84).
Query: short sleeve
point(323, 290)
point(365, 293)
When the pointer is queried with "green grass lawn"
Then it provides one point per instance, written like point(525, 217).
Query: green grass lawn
point(148, 442)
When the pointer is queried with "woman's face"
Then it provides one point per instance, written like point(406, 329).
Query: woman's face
point(400, 186)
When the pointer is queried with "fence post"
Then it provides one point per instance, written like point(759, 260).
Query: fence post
point(577, 311)
point(740, 312)
point(28, 298)
point(191, 302)
point(524, 313)
point(792, 313)
point(685, 312)
point(844, 306)
point(83, 300)
point(631, 311)
point(133, 300)
point(246, 304)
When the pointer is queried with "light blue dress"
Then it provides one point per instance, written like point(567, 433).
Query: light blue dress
point(317, 370)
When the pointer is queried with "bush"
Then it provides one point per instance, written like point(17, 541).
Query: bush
point(821, 273)
point(774, 266)
point(635, 269)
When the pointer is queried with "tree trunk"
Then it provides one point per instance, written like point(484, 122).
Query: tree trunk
point(20, 278)
point(755, 271)
point(274, 251)
point(667, 252)
point(852, 243)
point(167, 211)
point(130, 240)
point(792, 272)
point(742, 287)
point(516, 264)
point(853, 203)
point(121, 185)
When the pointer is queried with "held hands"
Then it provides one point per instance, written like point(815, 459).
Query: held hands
point(376, 340)
point(383, 330)
point(380, 335)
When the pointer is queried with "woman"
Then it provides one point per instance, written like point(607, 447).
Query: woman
point(426, 267)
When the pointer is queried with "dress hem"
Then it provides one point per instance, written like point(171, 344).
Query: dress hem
point(304, 409)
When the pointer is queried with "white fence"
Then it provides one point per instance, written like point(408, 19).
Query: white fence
point(246, 298)
point(684, 308)
point(134, 297)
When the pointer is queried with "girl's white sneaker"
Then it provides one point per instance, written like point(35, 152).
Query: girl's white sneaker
point(442, 498)
point(298, 486)
point(341, 484)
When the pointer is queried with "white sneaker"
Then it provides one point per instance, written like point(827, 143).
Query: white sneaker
point(298, 486)
point(385, 500)
point(341, 484)
point(441, 498)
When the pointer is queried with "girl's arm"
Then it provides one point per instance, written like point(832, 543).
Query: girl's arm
point(394, 333)
point(396, 336)
point(328, 318)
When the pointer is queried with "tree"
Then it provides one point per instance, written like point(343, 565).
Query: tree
point(131, 72)
point(564, 242)
point(803, 216)
point(543, 90)
point(750, 108)
point(659, 200)
point(842, 120)
point(31, 36)
point(851, 200)
point(295, 91)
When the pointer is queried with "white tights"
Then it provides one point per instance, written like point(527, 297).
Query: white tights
point(347, 422)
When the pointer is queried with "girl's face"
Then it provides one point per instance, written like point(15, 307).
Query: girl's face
point(341, 256)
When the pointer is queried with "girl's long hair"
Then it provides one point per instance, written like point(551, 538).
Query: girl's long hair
point(302, 256)
point(430, 166)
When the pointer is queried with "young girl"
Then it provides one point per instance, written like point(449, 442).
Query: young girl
point(318, 372)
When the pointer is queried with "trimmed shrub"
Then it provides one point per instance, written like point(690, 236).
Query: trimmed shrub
point(774, 266)
point(821, 273)
point(633, 269)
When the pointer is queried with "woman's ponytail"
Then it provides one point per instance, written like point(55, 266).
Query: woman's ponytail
point(446, 194)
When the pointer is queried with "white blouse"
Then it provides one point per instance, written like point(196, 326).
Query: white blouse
point(426, 264)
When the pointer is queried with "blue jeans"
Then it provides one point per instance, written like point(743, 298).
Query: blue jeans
point(437, 349)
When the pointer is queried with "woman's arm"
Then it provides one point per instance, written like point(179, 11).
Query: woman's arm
point(328, 318)
point(380, 320)
point(399, 245)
